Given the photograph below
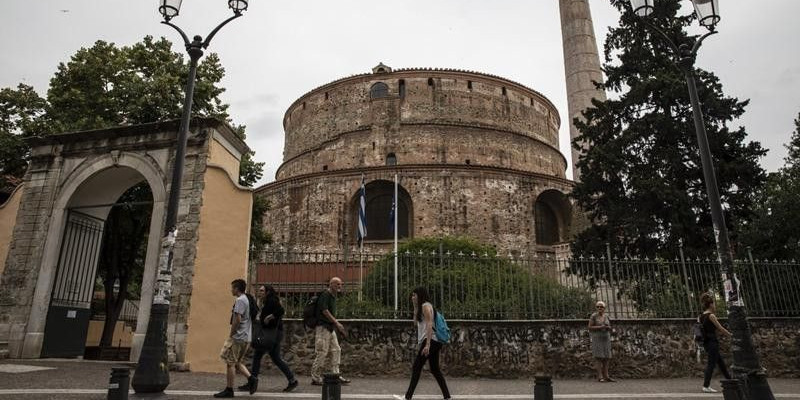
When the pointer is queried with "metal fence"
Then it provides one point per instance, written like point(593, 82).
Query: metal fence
point(486, 287)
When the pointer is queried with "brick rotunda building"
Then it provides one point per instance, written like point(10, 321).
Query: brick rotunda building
point(476, 155)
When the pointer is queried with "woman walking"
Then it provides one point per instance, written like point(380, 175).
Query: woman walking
point(711, 326)
point(600, 331)
point(429, 347)
point(271, 318)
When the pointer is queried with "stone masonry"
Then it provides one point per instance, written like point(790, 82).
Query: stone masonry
point(473, 153)
point(55, 161)
point(503, 349)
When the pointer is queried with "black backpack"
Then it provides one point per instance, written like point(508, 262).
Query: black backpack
point(310, 312)
point(698, 332)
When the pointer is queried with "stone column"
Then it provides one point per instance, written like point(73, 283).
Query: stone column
point(581, 64)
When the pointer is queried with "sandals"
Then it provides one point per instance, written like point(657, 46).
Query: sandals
point(606, 380)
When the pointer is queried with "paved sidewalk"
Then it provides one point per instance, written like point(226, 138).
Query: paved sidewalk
point(68, 379)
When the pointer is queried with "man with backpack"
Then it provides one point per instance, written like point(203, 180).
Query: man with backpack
point(326, 344)
point(238, 341)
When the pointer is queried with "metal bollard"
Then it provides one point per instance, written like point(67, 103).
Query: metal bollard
point(331, 387)
point(542, 388)
point(119, 383)
point(732, 389)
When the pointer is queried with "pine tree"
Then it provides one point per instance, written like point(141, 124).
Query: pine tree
point(775, 233)
point(641, 176)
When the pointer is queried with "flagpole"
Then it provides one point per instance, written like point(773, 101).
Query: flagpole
point(360, 270)
point(362, 233)
point(396, 211)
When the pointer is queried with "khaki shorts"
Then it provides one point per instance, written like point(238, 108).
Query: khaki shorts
point(233, 351)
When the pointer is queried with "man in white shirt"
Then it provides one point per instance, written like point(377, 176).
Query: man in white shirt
point(237, 343)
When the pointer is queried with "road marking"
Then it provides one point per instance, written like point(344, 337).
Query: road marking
point(20, 368)
point(22, 392)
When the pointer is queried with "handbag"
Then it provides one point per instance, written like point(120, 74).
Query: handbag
point(264, 338)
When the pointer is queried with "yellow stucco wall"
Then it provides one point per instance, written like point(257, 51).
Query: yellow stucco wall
point(8, 218)
point(219, 155)
point(224, 235)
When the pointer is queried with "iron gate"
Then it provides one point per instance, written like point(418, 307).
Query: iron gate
point(70, 302)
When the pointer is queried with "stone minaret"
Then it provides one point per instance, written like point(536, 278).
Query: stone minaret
point(581, 64)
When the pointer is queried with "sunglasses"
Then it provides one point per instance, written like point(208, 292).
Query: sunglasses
point(599, 307)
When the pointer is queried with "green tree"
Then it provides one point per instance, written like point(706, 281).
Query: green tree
point(21, 112)
point(641, 177)
point(775, 233)
point(123, 253)
point(466, 280)
point(105, 86)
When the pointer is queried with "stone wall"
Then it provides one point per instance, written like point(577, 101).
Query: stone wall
point(473, 152)
point(642, 348)
point(430, 96)
point(315, 212)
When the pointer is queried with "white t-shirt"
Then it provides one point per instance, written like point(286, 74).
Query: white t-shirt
point(242, 307)
point(422, 326)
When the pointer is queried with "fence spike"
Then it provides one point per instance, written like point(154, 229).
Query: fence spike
point(433, 252)
point(420, 252)
point(408, 251)
point(646, 258)
point(580, 257)
point(460, 253)
point(591, 257)
point(448, 252)
point(774, 261)
point(473, 254)
point(485, 254)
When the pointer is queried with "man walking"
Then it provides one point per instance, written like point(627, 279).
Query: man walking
point(238, 341)
point(326, 344)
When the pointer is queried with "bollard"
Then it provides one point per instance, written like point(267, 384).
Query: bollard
point(542, 388)
point(732, 389)
point(119, 383)
point(331, 387)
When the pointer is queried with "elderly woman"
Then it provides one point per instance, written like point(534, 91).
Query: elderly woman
point(600, 331)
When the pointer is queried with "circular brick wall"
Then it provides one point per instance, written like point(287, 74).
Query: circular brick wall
point(473, 151)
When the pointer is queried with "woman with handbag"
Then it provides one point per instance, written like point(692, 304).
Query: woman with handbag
point(268, 335)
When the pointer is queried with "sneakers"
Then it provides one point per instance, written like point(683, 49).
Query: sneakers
point(227, 393)
point(708, 389)
point(292, 386)
point(398, 397)
point(343, 380)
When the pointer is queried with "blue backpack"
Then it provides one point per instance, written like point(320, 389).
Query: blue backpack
point(441, 329)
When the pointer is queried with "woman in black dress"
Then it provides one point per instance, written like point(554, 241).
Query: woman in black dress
point(711, 327)
point(271, 317)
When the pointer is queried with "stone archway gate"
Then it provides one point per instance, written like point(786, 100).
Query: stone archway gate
point(86, 169)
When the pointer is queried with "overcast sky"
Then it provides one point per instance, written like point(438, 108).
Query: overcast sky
point(280, 50)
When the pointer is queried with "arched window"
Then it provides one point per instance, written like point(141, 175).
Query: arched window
point(379, 90)
point(391, 159)
point(552, 217)
point(379, 196)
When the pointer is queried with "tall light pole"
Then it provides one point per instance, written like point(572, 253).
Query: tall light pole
point(746, 363)
point(152, 371)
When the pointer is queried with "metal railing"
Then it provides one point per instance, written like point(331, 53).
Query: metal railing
point(487, 287)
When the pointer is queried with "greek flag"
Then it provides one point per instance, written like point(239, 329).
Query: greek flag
point(362, 213)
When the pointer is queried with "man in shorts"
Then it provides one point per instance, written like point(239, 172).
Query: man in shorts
point(237, 343)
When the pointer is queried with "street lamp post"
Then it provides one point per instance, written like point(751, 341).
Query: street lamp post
point(152, 370)
point(746, 363)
